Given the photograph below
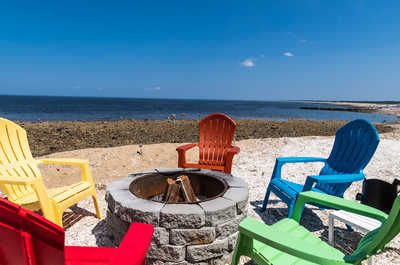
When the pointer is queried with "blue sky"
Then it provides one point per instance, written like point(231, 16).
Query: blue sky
point(263, 50)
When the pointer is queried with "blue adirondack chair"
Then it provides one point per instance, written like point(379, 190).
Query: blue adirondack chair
point(354, 146)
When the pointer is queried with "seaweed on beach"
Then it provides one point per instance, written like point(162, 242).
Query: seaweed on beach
point(58, 136)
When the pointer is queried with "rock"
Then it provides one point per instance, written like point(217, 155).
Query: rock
point(203, 252)
point(160, 236)
point(218, 211)
point(166, 252)
point(203, 235)
point(226, 229)
point(232, 241)
point(240, 196)
point(182, 216)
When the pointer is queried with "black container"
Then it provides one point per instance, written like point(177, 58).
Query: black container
point(378, 194)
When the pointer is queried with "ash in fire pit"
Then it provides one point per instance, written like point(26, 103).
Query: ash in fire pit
point(189, 231)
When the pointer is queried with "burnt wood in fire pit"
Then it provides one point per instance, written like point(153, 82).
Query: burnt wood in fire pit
point(179, 191)
point(166, 188)
point(172, 194)
point(188, 192)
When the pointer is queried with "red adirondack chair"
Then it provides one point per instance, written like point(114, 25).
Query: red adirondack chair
point(29, 239)
point(216, 152)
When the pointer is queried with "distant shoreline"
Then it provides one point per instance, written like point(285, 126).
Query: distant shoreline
point(350, 109)
point(382, 107)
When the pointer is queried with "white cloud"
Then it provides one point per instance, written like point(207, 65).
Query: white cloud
point(248, 63)
point(156, 88)
point(288, 54)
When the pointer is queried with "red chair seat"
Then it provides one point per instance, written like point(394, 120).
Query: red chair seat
point(88, 255)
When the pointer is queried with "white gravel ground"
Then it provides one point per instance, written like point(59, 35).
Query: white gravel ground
point(255, 164)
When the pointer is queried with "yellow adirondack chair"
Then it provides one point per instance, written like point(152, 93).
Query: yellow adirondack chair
point(20, 177)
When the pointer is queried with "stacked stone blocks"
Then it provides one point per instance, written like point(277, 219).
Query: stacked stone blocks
point(202, 233)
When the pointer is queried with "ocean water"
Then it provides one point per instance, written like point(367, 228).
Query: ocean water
point(39, 108)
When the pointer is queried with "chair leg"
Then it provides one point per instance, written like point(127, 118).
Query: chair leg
point(236, 254)
point(290, 208)
point(96, 205)
point(58, 217)
point(266, 198)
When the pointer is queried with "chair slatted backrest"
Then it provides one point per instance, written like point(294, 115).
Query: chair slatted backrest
point(16, 160)
point(12, 238)
point(355, 144)
point(374, 241)
point(47, 239)
point(216, 132)
point(27, 238)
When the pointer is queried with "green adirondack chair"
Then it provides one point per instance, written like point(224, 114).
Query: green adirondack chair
point(287, 242)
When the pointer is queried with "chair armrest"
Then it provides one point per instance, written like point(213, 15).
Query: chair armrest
point(228, 157)
point(341, 178)
point(336, 203)
point(39, 189)
point(185, 147)
point(230, 152)
point(182, 153)
point(291, 245)
point(234, 150)
point(63, 161)
point(280, 161)
point(285, 160)
point(16, 181)
point(134, 246)
point(83, 164)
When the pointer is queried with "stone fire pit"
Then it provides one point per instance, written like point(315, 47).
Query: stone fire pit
point(204, 232)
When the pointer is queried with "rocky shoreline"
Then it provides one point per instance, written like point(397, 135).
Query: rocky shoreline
point(58, 136)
